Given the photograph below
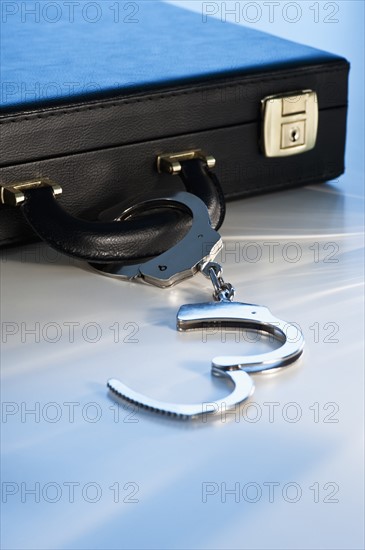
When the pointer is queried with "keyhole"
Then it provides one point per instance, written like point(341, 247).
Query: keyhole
point(162, 267)
point(294, 134)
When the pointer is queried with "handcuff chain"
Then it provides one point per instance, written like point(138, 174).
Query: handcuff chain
point(223, 292)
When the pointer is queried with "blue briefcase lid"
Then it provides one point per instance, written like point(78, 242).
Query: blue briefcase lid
point(59, 52)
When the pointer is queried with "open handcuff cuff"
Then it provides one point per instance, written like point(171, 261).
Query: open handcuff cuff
point(109, 246)
point(196, 252)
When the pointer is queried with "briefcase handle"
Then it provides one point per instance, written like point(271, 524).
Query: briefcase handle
point(133, 239)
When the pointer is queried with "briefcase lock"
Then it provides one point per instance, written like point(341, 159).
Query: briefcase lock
point(290, 123)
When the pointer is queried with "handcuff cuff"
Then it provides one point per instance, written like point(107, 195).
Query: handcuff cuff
point(196, 253)
point(112, 243)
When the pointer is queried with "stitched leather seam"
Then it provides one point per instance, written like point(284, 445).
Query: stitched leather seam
point(328, 175)
point(15, 240)
point(168, 94)
point(283, 182)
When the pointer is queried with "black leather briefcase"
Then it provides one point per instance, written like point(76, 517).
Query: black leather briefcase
point(107, 109)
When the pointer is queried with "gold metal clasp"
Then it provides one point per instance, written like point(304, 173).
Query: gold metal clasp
point(170, 163)
point(13, 195)
point(290, 123)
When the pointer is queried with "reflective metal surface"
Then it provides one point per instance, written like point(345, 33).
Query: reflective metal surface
point(13, 195)
point(222, 291)
point(243, 389)
point(245, 316)
point(170, 163)
point(289, 123)
point(201, 244)
point(223, 313)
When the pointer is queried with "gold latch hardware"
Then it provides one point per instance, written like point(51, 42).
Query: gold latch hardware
point(13, 195)
point(170, 163)
point(290, 123)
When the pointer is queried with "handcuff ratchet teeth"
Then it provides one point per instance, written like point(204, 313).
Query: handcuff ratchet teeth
point(196, 252)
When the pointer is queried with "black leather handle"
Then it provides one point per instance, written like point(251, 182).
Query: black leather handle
point(130, 240)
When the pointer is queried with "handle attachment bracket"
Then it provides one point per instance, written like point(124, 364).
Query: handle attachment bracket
point(13, 195)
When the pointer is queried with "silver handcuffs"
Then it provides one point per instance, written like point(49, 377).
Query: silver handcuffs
point(196, 252)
